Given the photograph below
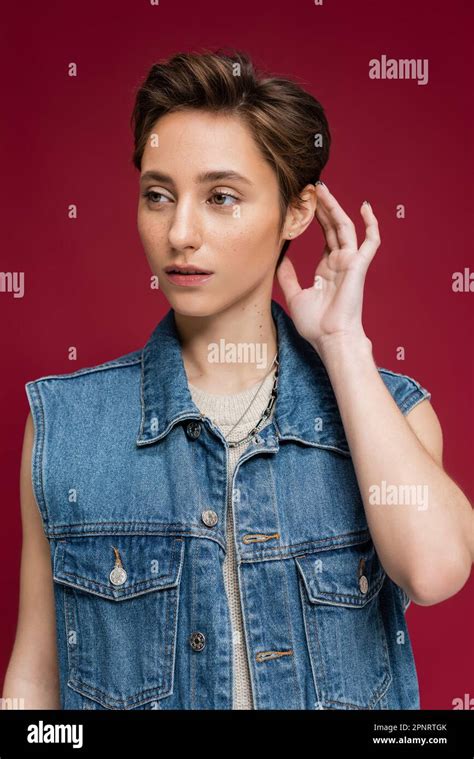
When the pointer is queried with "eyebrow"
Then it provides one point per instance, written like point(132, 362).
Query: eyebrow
point(204, 177)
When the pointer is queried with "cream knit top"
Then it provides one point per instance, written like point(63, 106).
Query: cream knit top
point(224, 411)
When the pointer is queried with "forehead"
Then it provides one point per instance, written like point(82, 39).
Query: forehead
point(201, 140)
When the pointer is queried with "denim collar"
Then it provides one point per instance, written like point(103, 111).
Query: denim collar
point(305, 408)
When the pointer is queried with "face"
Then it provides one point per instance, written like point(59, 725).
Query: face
point(227, 225)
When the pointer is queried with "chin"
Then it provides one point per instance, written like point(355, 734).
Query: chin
point(193, 304)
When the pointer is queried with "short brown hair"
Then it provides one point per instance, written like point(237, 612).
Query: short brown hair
point(283, 118)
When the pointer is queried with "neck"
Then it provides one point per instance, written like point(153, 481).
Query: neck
point(229, 351)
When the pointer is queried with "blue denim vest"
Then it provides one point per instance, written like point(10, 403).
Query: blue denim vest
point(130, 481)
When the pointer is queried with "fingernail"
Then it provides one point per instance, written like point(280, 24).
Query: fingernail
point(319, 182)
point(366, 202)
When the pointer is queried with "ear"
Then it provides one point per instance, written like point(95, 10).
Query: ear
point(298, 219)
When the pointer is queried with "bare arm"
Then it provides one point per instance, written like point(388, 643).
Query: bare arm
point(426, 549)
point(32, 672)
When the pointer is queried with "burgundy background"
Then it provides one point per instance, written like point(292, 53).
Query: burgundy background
point(87, 281)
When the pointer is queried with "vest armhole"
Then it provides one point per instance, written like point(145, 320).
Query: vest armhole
point(405, 391)
point(38, 416)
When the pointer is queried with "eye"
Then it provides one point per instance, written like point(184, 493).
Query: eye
point(153, 201)
point(224, 195)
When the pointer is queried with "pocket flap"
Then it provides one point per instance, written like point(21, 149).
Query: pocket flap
point(347, 576)
point(146, 562)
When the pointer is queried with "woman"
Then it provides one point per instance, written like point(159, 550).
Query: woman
point(238, 514)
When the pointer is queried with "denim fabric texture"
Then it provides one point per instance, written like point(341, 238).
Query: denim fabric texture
point(130, 482)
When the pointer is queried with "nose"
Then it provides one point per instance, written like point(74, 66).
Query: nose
point(185, 228)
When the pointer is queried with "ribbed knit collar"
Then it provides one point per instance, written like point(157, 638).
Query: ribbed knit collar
point(224, 410)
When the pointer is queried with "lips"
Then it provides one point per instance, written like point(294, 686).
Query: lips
point(188, 277)
point(186, 270)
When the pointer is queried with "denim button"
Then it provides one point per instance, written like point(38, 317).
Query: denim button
point(193, 430)
point(197, 641)
point(363, 584)
point(209, 518)
point(118, 576)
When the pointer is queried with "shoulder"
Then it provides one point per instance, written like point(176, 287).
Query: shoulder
point(91, 386)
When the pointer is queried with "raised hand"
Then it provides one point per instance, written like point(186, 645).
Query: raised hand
point(331, 308)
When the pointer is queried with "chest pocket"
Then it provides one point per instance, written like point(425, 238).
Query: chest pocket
point(340, 593)
point(121, 628)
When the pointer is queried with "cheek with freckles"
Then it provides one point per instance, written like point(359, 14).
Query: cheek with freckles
point(153, 241)
point(251, 249)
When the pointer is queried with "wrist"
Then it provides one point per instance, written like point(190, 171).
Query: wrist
point(340, 344)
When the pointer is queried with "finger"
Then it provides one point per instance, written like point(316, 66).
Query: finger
point(372, 234)
point(332, 243)
point(340, 222)
point(287, 279)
